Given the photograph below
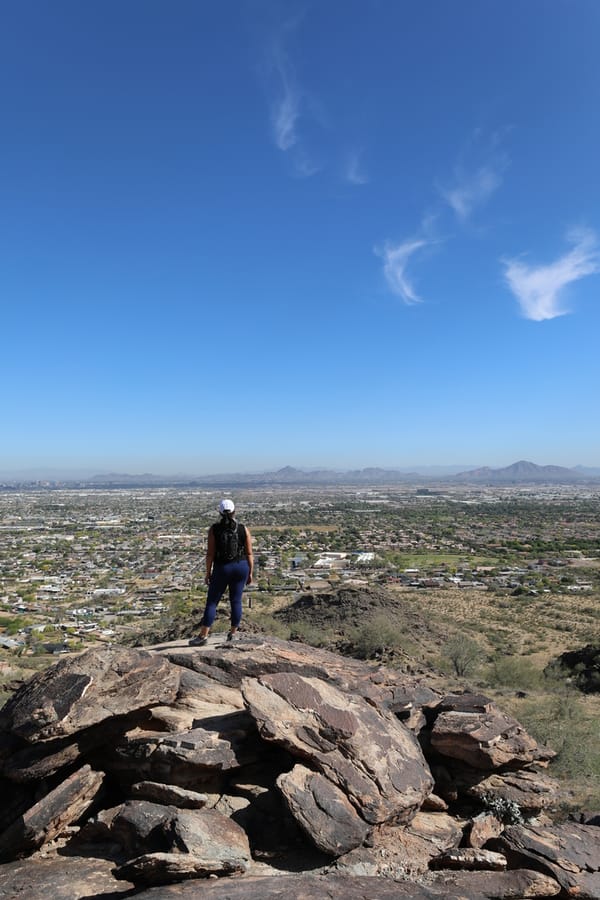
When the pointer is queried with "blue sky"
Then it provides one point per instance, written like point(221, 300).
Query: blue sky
point(240, 235)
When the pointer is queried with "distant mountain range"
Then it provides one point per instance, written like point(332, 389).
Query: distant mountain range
point(521, 472)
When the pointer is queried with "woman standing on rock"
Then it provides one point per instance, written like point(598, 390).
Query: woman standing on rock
point(229, 564)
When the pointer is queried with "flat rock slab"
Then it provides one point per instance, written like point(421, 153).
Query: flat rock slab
point(569, 853)
point(188, 759)
point(84, 690)
point(52, 814)
point(172, 868)
point(485, 740)
point(303, 887)
point(252, 656)
point(366, 752)
point(519, 884)
point(62, 878)
point(168, 794)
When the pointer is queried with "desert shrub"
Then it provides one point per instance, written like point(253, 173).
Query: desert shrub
point(513, 671)
point(270, 625)
point(559, 720)
point(310, 634)
point(508, 811)
point(376, 638)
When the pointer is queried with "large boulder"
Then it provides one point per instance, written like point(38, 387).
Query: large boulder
point(363, 751)
point(221, 760)
point(323, 811)
point(164, 843)
point(472, 729)
point(252, 656)
point(82, 691)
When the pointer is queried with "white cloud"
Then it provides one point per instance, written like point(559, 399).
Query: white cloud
point(472, 190)
point(285, 108)
point(353, 170)
point(538, 288)
point(288, 103)
point(477, 174)
point(395, 262)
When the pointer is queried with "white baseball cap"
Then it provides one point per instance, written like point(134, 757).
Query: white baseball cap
point(226, 506)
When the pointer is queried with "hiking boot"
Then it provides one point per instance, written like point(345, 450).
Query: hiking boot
point(230, 635)
point(198, 641)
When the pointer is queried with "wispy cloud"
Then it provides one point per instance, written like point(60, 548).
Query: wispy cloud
point(288, 102)
point(472, 190)
point(538, 288)
point(285, 106)
point(477, 175)
point(396, 258)
point(354, 172)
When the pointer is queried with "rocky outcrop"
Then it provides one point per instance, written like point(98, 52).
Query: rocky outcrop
point(183, 765)
point(471, 729)
point(370, 768)
point(569, 853)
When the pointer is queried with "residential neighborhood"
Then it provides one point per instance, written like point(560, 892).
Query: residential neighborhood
point(82, 566)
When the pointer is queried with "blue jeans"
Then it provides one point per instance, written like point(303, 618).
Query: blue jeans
point(232, 575)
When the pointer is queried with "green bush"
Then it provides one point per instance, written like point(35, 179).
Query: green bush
point(515, 672)
point(310, 634)
point(270, 625)
point(559, 720)
point(377, 638)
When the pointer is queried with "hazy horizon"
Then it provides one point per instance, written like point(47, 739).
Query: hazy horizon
point(67, 474)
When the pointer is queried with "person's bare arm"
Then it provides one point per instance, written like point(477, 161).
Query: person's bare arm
point(210, 553)
point(249, 555)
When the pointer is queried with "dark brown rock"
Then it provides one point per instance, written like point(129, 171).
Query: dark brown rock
point(168, 794)
point(253, 656)
point(144, 829)
point(519, 884)
point(61, 878)
point(442, 831)
point(169, 868)
point(323, 811)
point(194, 759)
point(400, 851)
point(485, 740)
point(570, 853)
point(483, 828)
point(52, 814)
point(530, 791)
point(365, 751)
point(81, 691)
point(179, 844)
point(304, 887)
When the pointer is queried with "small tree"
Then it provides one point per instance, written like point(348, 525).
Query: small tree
point(464, 654)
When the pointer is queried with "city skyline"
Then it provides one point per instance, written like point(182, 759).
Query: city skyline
point(238, 238)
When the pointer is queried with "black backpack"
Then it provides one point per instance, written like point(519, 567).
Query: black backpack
point(230, 541)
